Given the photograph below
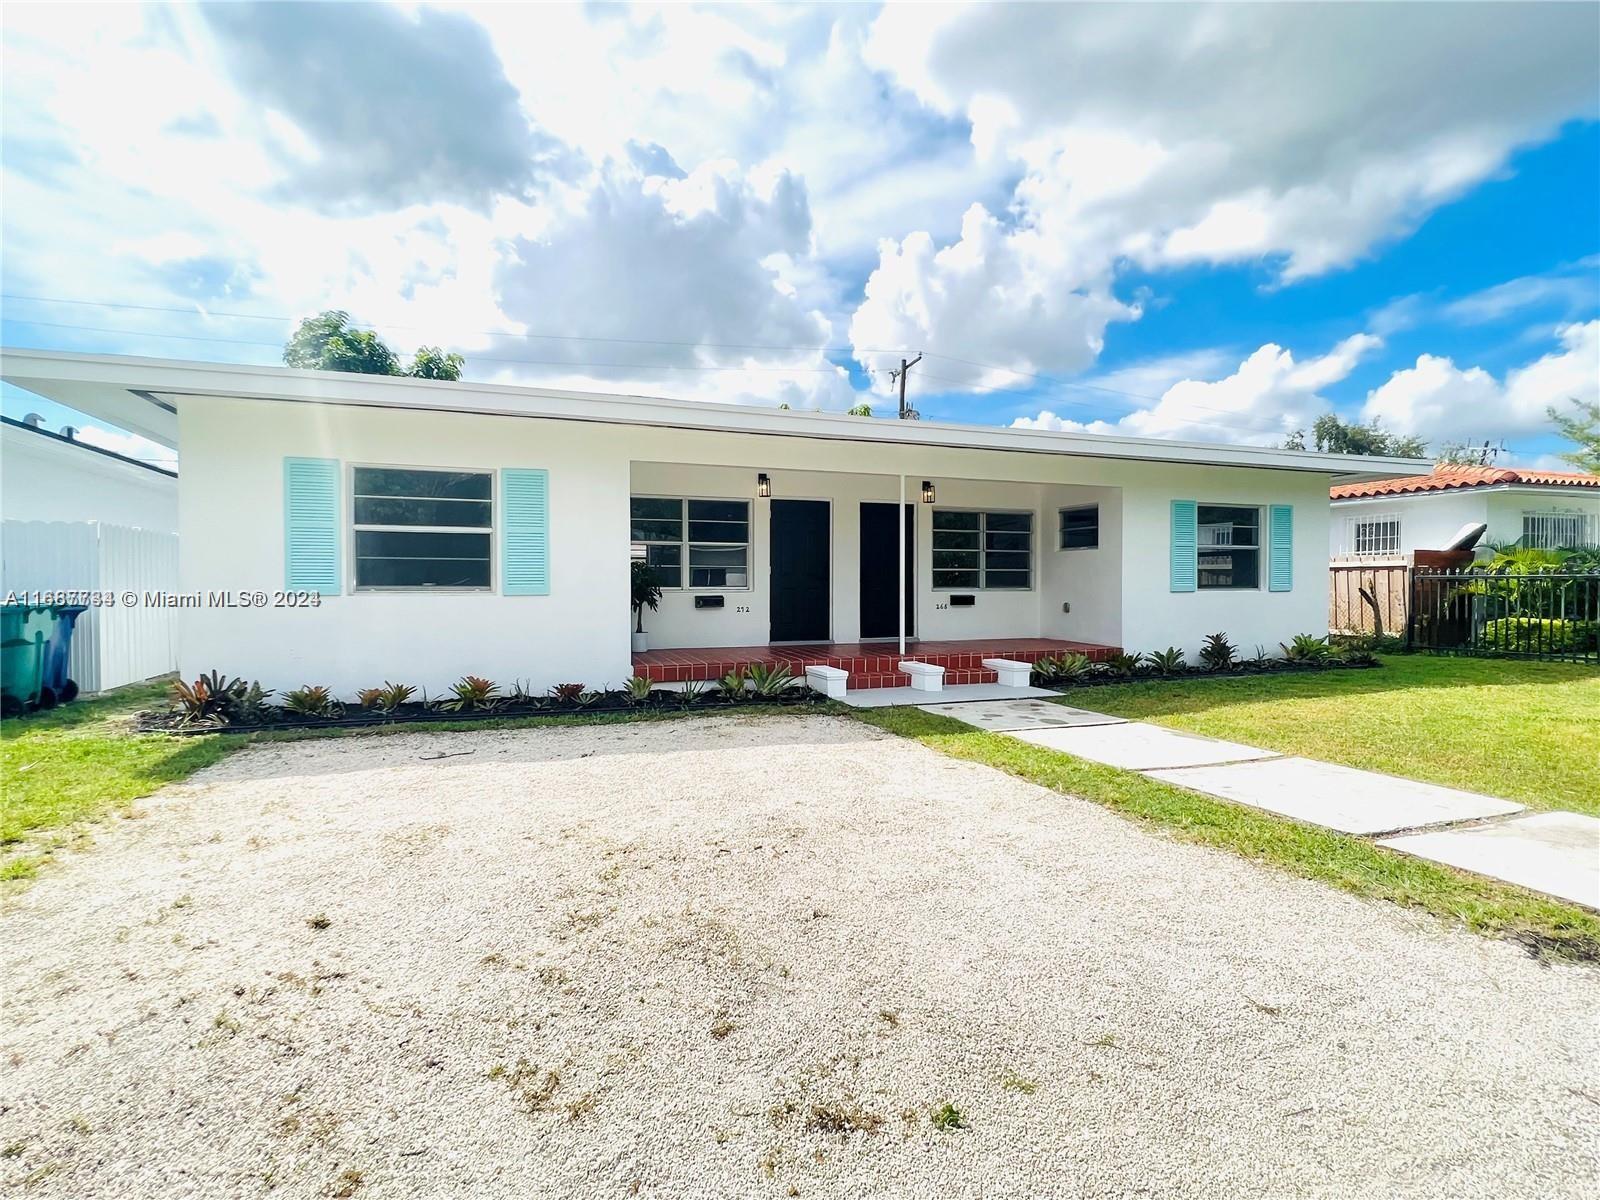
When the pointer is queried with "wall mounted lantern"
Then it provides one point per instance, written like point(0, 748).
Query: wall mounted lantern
point(763, 485)
point(927, 491)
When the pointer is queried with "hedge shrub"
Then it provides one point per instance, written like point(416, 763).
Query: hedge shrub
point(1536, 634)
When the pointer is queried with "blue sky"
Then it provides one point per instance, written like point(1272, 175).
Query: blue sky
point(1208, 223)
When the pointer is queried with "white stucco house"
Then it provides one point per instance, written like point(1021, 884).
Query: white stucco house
point(46, 475)
point(1376, 519)
point(78, 517)
point(446, 528)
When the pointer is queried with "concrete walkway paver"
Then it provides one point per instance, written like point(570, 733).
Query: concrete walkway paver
point(1342, 798)
point(1138, 747)
point(1010, 715)
point(1557, 853)
point(958, 693)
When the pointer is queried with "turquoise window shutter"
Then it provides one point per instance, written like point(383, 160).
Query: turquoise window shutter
point(1280, 548)
point(1185, 545)
point(311, 525)
point(525, 532)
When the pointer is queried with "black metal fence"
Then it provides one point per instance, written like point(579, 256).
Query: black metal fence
point(1542, 614)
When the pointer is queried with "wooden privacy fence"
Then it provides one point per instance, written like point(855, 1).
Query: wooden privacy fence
point(1368, 597)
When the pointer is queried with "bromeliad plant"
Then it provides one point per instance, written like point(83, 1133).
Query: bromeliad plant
point(1217, 653)
point(638, 689)
point(1122, 665)
point(770, 680)
point(1166, 662)
point(208, 700)
point(311, 700)
point(472, 693)
point(1307, 649)
point(566, 693)
point(732, 686)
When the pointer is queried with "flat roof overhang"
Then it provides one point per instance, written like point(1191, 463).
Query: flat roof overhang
point(142, 395)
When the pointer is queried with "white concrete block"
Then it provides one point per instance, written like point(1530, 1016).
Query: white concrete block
point(1012, 673)
point(925, 677)
point(830, 681)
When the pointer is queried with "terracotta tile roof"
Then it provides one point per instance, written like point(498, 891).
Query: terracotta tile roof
point(1449, 478)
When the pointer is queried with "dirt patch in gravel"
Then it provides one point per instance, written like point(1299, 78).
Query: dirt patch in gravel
point(746, 956)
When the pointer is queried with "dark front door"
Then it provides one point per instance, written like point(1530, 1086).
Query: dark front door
point(799, 570)
point(880, 584)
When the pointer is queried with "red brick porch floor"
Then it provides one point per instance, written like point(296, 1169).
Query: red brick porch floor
point(871, 664)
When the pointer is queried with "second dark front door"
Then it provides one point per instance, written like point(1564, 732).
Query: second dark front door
point(800, 570)
point(880, 586)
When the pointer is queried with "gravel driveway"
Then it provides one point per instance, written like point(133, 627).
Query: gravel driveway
point(746, 956)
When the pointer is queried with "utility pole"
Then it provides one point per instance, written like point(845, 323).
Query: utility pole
point(906, 414)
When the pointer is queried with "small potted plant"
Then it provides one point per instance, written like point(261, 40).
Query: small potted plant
point(646, 594)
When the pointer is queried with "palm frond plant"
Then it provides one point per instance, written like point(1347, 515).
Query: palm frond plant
point(646, 585)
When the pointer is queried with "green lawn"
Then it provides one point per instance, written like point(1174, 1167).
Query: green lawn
point(1527, 731)
point(1352, 864)
point(81, 762)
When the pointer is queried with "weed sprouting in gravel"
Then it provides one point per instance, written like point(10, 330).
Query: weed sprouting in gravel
point(842, 1117)
point(889, 1016)
point(947, 1117)
point(722, 1026)
point(1016, 1083)
point(319, 922)
point(347, 1184)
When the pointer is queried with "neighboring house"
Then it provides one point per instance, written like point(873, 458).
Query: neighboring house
point(1392, 518)
point(446, 528)
point(46, 476)
point(81, 518)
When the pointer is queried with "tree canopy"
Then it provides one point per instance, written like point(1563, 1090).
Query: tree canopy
point(327, 342)
point(1330, 435)
point(1582, 428)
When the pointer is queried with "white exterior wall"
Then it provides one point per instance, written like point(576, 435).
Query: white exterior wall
point(231, 523)
point(1154, 618)
point(1430, 520)
point(42, 479)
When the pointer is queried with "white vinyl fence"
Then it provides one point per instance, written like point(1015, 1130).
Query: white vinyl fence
point(111, 645)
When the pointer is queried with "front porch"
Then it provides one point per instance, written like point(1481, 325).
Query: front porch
point(870, 664)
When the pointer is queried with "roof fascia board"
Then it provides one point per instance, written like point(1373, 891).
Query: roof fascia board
point(175, 379)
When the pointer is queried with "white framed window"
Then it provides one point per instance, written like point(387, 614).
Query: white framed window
point(1079, 528)
point(693, 544)
point(988, 551)
point(1555, 530)
point(1229, 549)
point(1375, 536)
point(415, 528)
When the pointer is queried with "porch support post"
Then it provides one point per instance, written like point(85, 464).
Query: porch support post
point(900, 526)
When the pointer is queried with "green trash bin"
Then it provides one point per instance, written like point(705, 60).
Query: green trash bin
point(24, 631)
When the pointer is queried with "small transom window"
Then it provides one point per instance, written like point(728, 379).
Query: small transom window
point(1080, 527)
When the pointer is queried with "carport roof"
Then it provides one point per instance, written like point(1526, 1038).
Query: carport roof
point(143, 395)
